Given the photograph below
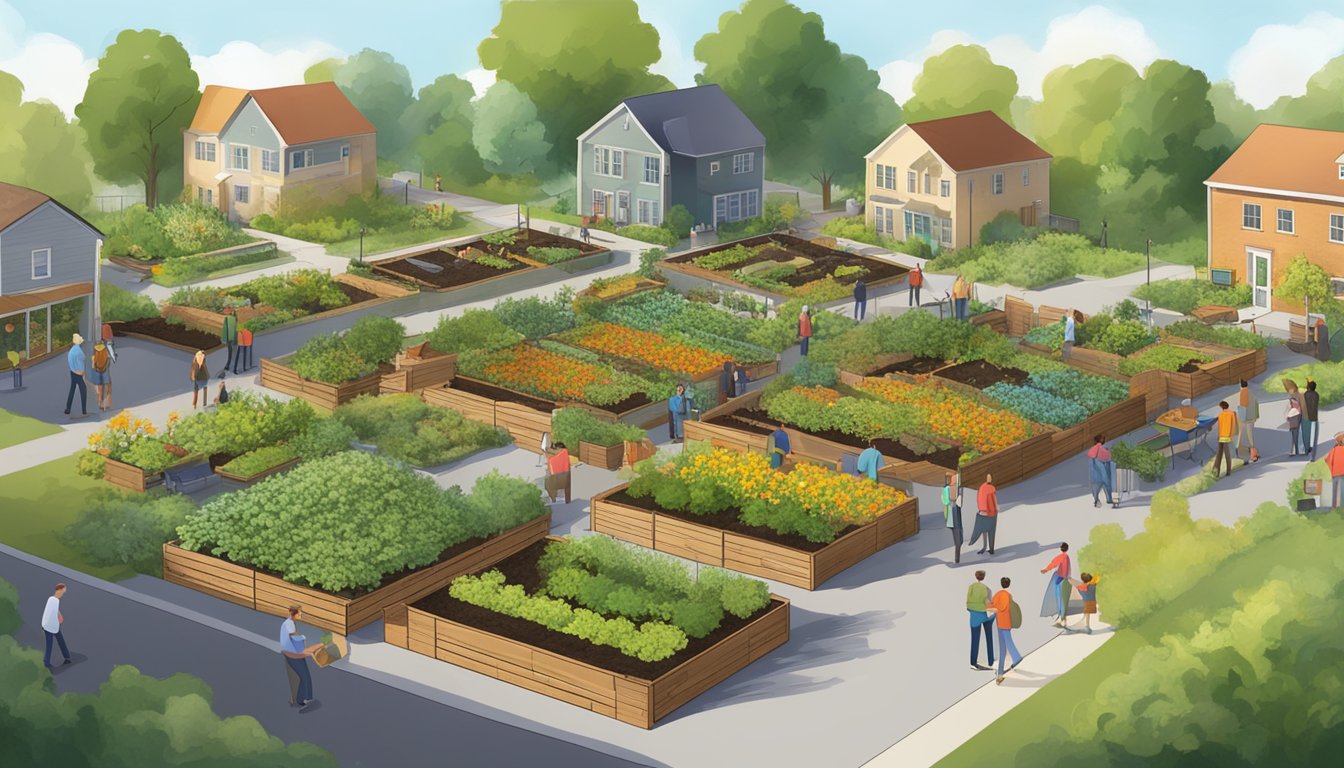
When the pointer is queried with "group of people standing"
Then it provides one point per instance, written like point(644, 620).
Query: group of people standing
point(95, 369)
point(986, 516)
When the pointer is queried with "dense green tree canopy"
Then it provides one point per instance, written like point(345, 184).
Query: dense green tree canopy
point(441, 122)
point(961, 80)
point(507, 134)
point(1322, 106)
point(1073, 118)
point(40, 149)
point(378, 86)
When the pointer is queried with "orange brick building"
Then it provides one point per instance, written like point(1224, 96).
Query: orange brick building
point(1279, 195)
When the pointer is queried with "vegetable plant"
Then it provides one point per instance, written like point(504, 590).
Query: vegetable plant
point(572, 425)
point(406, 428)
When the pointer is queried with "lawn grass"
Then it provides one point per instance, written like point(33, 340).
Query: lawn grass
point(282, 258)
point(548, 214)
point(403, 237)
point(1052, 706)
point(36, 505)
point(15, 429)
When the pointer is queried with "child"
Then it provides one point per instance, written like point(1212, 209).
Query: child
point(1087, 589)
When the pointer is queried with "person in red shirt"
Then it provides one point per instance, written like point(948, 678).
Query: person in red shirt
point(1057, 593)
point(987, 518)
point(1334, 460)
point(1002, 603)
point(916, 282)
point(805, 328)
point(558, 468)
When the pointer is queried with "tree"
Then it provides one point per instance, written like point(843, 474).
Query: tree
point(575, 59)
point(507, 134)
point(961, 80)
point(1307, 282)
point(441, 122)
point(1239, 117)
point(820, 109)
point(1073, 118)
point(1321, 106)
point(378, 86)
point(138, 102)
point(40, 149)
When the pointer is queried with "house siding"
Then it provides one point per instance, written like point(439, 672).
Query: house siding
point(239, 129)
point(637, 146)
point(707, 185)
point(73, 247)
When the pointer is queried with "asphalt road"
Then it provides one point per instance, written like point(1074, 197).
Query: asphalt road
point(362, 722)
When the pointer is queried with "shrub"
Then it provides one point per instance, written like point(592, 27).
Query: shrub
point(1228, 337)
point(572, 425)
point(1122, 337)
point(1163, 357)
point(90, 464)
point(434, 217)
point(1185, 295)
point(678, 220)
point(323, 437)
point(325, 358)
point(259, 460)
point(1329, 378)
point(247, 422)
point(1151, 464)
point(128, 529)
point(1035, 263)
point(375, 339)
point(649, 234)
point(1005, 227)
point(535, 317)
point(648, 262)
point(169, 231)
point(350, 520)
point(405, 428)
point(120, 304)
point(474, 329)
point(9, 609)
point(552, 255)
point(189, 269)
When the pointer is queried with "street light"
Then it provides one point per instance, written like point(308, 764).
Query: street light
point(362, 230)
point(1148, 255)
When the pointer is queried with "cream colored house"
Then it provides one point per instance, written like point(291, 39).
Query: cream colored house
point(942, 180)
point(252, 152)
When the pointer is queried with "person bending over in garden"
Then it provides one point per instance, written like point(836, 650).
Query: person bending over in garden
point(977, 605)
point(987, 518)
point(1334, 461)
point(1227, 428)
point(1087, 590)
point(952, 517)
point(870, 461)
point(1101, 468)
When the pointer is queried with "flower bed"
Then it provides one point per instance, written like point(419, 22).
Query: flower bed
point(745, 340)
point(646, 347)
point(546, 373)
point(129, 452)
point(274, 300)
point(976, 427)
point(627, 634)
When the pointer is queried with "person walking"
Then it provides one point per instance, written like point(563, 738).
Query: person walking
point(987, 516)
point(916, 283)
point(228, 335)
point(1007, 617)
point(1057, 591)
point(1248, 411)
point(200, 379)
point(726, 382)
point(1311, 416)
point(805, 328)
point(740, 381)
point(1087, 590)
point(1334, 461)
point(869, 462)
point(559, 471)
point(296, 656)
point(952, 518)
point(584, 234)
point(1070, 331)
point(1227, 429)
point(779, 447)
point(244, 350)
point(52, 621)
point(76, 362)
point(678, 405)
point(438, 183)
point(1292, 414)
point(977, 605)
point(100, 373)
point(1322, 340)
point(1101, 469)
point(860, 300)
point(961, 294)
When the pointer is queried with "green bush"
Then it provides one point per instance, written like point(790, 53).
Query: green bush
point(335, 359)
point(128, 529)
point(1151, 464)
point(730, 256)
point(375, 339)
point(535, 317)
point(121, 304)
point(149, 454)
point(300, 289)
point(649, 234)
point(1005, 227)
point(9, 609)
point(1037, 262)
point(349, 520)
point(1228, 337)
point(474, 329)
point(247, 422)
point(552, 255)
point(572, 425)
point(1122, 337)
point(188, 269)
point(169, 231)
point(1185, 295)
point(679, 221)
point(648, 262)
point(322, 438)
point(407, 429)
point(1329, 378)
point(1163, 357)
point(860, 417)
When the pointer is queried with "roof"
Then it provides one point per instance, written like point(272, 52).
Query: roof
point(311, 112)
point(20, 301)
point(1281, 157)
point(17, 202)
point(977, 140)
point(695, 121)
point(218, 103)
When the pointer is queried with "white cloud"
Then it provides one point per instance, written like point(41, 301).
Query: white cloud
point(1278, 59)
point(677, 64)
point(50, 67)
point(481, 79)
point(241, 64)
point(1069, 39)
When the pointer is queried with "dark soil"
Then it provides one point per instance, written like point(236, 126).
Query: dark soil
point(760, 423)
point(456, 272)
point(158, 328)
point(218, 460)
point(532, 238)
point(728, 520)
point(784, 248)
point(980, 374)
point(913, 366)
point(1189, 367)
point(477, 387)
point(522, 569)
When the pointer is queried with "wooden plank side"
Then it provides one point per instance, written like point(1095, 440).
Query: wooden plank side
point(622, 522)
point(634, 702)
point(420, 632)
point(842, 553)
point(394, 626)
point(689, 540)
point(899, 524)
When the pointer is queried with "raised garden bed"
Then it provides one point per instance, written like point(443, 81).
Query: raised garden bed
point(276, 375)
point(609, 457)
point(175, 335)
point(417, 369)
point(340, 612)
point(722, 540)
point(361, 291)
point(1229, 367)
point(442, 268)
point(255, 477)
point(981, 374)
point(597, 678)
point(130, 477)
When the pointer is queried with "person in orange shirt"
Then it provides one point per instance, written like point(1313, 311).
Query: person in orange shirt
point(805, 328)
point(1334, 460)
point(987, 516)
point(244, 355)
point(1057, 593)
point(1002, 603)
point(1227, 430)
point(558, 467)
point(916, 282)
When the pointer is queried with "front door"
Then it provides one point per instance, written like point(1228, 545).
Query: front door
point(1258, 271)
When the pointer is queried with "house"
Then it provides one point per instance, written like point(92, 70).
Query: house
point(691, 147)
point(1280, 194)
point(48, 275)
point(942, 180)
point(251, 152)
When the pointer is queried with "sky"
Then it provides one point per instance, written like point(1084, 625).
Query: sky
point(1266, 50)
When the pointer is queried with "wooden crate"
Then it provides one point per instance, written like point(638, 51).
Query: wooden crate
point(471, 406)
point(747, 554)
point(609, 457)
point(527, 425)
point(415, 374)
point(130, 477)
point(280, 377)
point(996, 319)
point(628, 699)
point(1021, 316)
point(265, 473)
point(251, 588)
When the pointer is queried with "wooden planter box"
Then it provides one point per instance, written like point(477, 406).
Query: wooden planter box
point(996, 319)
point(130, 477)
point(265, 473)
point(747, 554)
point(251, 588)
point(415, 374)
point(629, 699)
point(213, 322)
point(642, 286)
point(636, 451)
point(280, 377)
point(609, 457)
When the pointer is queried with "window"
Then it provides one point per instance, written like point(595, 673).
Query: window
point(885, 176)
point(713, 167)
point(1026, 176)
point(345, 151)
point(242, 193)
point(744, 162)
point(947, 232)
point(617, 163)
point(1341, 171)
point(41, 263)
point(736, 206)
point(252, 130)
point(1250, 216)
point(1337, 227)
point(653, 170)
point(622, 207)
point(205, 196)
point(205, 150)
point(608, 161)
point(928, 189)
point(650, 213)
point(946, 188)
point(884, 220)
point(302, 158)
point(599, 203)
point(918, 225)
point(1285, 221)
point(996, 184)
point(910, 181)
point(270, 161)
point(240, 158)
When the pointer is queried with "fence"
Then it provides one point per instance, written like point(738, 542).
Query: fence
point(1059, 223)
point(116, 203)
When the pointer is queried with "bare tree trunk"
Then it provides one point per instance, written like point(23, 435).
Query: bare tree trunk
point(152, 182)
point(825, 180)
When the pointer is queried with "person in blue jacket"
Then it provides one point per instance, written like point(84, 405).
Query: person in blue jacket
point(860, 300)
point(740, 381)
point(779, 447)
point(677, 407)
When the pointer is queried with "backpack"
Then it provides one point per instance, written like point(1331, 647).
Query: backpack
point(1014, 614)
point(101, 360)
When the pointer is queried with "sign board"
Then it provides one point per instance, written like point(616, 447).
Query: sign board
point(1311, 487)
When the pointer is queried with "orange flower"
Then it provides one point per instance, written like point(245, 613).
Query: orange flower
point(955, 416)
point(646, 347)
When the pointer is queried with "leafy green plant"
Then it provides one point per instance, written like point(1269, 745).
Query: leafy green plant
point(121, 304)
point(150, 454)
point(535, 317)
point(649, 234)
point(1163, 357)
point(1185, 295)
point(1151, 464)
point(845, 270)
point(375, 339)
point(649, 258)
point(169, 231)
point(247, 422)
point(1093, 393)
point(486, 259)
point(473, 329)
point(1228, 337)
point(678, 220)
point(572, 425)
point(1037, 405)
point(501, 238)
point(128, 529)
point(1034, 263)
point(323, 437)
point(552, 255)
point(814, 373)
point(187, 269)
point(728, 257)
point(1122, 337)
point(325, 358)
point(407, 429)
point(259, 460)
point(1329, 378)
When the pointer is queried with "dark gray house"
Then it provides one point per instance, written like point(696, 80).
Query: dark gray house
point(692, 147)
point(48, 275)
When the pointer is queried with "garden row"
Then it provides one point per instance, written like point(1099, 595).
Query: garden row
point(494, 263)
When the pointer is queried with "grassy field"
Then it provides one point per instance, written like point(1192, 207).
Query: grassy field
point(39, 503)
point(1053, 706)
point(391, 240)
point(15, 429)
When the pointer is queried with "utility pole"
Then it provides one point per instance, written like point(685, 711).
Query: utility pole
point(1148, 256)
point(362, 230)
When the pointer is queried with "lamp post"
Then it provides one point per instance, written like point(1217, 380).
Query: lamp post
point(362, 230)
point(1148, 256)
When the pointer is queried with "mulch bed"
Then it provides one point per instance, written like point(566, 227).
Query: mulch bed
point(980, 374)
point(728, 520)
point(476, 387)
point(913, 367)
point(824, 260)
point(158, 328)
point(521, 568)
point(943, 457)
point(455, 272)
